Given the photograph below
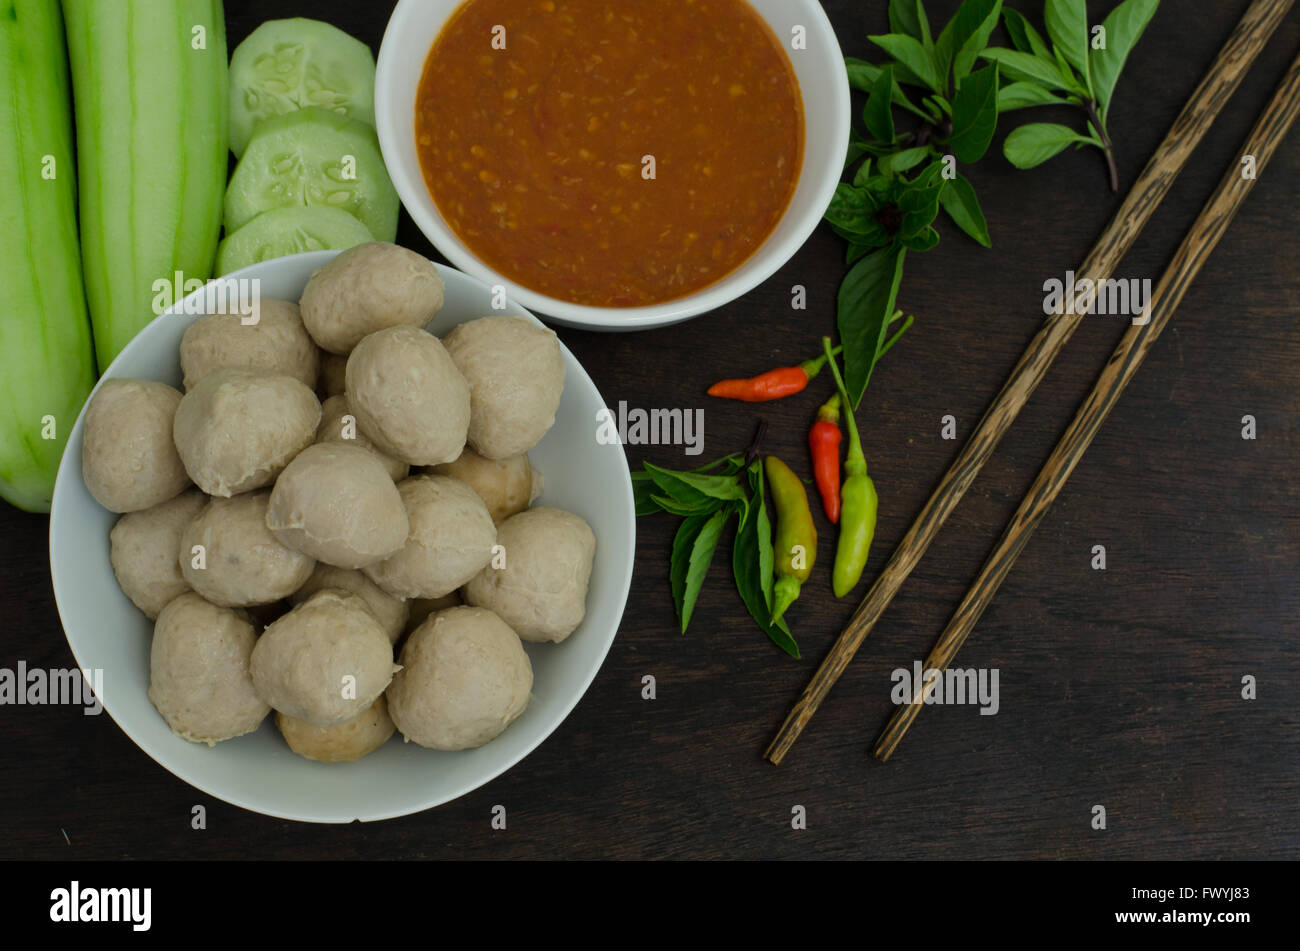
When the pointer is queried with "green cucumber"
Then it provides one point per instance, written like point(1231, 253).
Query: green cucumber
point(313, 157)
point(47, 365)
point(281, 231)
point(284, 65)
point(149, 84)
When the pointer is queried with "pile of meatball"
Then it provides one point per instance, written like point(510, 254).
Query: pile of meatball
point(290, 545)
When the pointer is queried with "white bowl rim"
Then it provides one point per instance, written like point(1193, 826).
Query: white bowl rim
point(726, 289)
point(159, 755)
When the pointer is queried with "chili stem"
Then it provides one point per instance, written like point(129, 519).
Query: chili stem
point(855, 444)
point(812, 367)
point(901, 330)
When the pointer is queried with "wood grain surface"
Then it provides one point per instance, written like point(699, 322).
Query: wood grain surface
point(1119, 687)
point(1140, 203)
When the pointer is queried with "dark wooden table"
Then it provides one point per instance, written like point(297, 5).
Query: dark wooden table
point(1119, 687)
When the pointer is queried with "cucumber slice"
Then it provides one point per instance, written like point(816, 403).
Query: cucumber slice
point(313, 157)
point(285, 65)
point(281, 231)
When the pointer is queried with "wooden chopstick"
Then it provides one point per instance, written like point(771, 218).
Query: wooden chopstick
point(1201, 240)
point(1215, 89)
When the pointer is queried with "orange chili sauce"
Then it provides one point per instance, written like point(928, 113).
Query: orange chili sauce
point(537, 154)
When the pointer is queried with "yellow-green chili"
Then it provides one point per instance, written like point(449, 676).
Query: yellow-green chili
point(794, 549)
point(858, 501)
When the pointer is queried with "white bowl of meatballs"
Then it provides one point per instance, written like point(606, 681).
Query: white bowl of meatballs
point(345, 547)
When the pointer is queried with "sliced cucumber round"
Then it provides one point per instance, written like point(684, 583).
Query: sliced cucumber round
point(285, 65)
point(313, 157)
point(281, 231)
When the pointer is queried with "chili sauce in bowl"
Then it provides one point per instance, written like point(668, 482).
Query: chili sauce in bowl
point(605, 153)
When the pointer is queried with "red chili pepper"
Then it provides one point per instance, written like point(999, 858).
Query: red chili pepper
point(824, 441)
point(772, 385)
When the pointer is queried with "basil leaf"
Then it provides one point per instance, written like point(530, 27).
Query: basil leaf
point(975, 115)
point(930, 177)
point(706, 543)
point(673, 507)
point(958, 199)
point(1015, 96)
point(676, 490)
point(923, 240)
point(857, 149)
point(1124, 27)
point(970, 30)
point(1023, 35)
point(857, 250)
point(903, 161)
point(642, 494)
point(1024, 67)
point(725, 488)
point(939, 105)
point(1066, 72)
point(875, 236)
point(680, 565)
point(878, 113)
point(920, 206)
point(908, 16)
point(862, 76)
point(1067, 25)
point(752, 566)
point(862, 174)
point(850, 210)
point(911, 54)
point(1034, 144)
point(866, 302)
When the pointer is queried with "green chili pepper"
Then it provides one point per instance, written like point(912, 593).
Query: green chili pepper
point(858, 502)
point(794, 549)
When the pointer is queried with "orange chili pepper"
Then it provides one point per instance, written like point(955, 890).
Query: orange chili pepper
point(824, 442)
point(772, 385)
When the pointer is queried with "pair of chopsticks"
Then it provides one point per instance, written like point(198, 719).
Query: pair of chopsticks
point(1230, 66)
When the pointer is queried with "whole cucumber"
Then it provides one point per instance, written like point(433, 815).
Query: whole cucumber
point(47, 364)
point(150, 88)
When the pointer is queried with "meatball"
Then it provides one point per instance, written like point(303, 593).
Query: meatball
point(143, 547)
point(198, 671)
point(277, 343)
point(241, 562)
point(542, 590)
point(344, 742)
point(515, 371)
point(237, 429)
point(450, 540)
point(507, 486)
point(337, 424)
point(408, 396)
point(391, 612)
point(325, 661)
point(464, 679)
point(331, 381)
point(128, 460)
point(367, 288)
point(337, 503)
